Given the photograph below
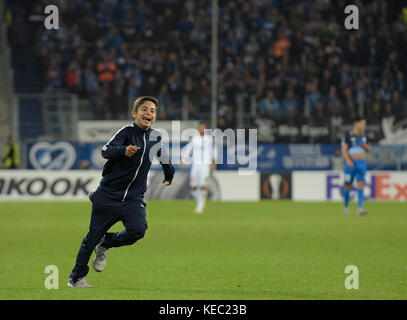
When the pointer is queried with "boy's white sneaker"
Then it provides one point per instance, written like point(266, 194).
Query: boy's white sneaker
point(80, 283)
point(99, 261)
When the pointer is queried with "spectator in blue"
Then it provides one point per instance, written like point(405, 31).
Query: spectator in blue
point(54, 75)
point(90, 81)
point(113, 38)
point(319, 117)
point(385, 95)
point(346, 74)
point(270, 106)
point(175, 36)
point(135, 84)
point(164, 97)
point(336, 108)
point(332, 97)
point(290, 105)
point(312, 97)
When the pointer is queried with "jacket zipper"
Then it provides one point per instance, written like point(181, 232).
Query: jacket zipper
point(141, 162)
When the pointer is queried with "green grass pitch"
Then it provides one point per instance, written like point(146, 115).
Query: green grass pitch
point(266, 250)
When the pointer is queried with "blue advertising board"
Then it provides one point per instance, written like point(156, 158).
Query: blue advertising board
point(63, 155)
point(288, 157)
point(264, 157)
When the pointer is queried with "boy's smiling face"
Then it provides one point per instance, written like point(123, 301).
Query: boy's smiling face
point(145, 115)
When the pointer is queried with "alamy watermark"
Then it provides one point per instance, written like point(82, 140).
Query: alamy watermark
point(51, 22)
point(240, 146)
point(239, 151)
point(352, 20)
point(352, 281)
point(51, 281)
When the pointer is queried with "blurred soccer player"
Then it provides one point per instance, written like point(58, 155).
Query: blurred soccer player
point(354, 148)
point(120, 195)
point(202, 153)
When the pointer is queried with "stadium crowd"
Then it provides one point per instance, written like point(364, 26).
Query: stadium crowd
point(295, 57)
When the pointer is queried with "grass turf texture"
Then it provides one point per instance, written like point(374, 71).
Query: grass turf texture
point(265, 250)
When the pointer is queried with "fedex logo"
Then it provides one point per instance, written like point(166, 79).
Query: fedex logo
point(379, 186)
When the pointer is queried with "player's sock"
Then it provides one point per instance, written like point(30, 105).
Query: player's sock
point(204, 196)
point(199, 199)
point(193, 193)
point(360, 199)
point(346, 193)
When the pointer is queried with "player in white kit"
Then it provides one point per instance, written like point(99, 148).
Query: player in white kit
point(201, 154)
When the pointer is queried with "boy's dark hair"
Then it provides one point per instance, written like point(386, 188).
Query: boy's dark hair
point(140, 100)
point(357, 119)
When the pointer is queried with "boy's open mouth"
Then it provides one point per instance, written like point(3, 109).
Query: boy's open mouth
point(147, 119)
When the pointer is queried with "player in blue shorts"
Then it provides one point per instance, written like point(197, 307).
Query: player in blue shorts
point(354, 148)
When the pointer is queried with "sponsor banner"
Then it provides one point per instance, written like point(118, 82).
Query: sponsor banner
point(102, 130)
point(99, 130)
point(275, 185)
point(321, 186)
point(77, 184)
point(47, 185)
point(263, 157)
point(289, 157)
point(271, 131)
point(221, 186)
point(238, 187)
point(179, 188)
point(387, 157)
point(294, 157)
point(63, 155)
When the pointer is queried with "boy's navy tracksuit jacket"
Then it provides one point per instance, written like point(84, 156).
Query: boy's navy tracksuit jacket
point(120, 195)
point(124, 178)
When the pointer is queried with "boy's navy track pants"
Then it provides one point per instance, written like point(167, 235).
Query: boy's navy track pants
point(105, 213)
